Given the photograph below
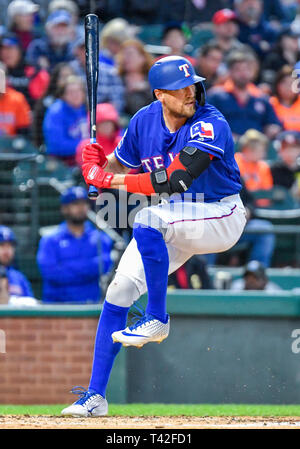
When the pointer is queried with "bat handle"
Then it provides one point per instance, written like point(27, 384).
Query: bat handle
point(93, 191)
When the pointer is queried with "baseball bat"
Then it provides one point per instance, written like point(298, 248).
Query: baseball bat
point(91, 27)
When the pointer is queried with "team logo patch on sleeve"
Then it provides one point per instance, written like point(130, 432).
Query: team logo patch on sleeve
point(202, 129)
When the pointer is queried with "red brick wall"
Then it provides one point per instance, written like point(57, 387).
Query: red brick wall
point(44, 358)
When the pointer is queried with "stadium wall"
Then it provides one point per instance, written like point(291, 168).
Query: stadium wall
point(223, 347)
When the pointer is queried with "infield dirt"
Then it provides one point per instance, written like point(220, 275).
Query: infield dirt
point(149, 422)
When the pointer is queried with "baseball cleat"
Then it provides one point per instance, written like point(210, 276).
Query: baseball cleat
point(144, 331)
point(90, 404)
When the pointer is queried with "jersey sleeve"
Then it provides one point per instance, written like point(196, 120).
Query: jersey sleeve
point(127, 151)
point(210, 136)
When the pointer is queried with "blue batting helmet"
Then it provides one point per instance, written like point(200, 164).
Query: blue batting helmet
point(176, 72)
point(7, 235)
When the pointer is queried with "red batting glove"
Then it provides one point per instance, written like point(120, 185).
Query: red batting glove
point(93, 152)
point(95, 175)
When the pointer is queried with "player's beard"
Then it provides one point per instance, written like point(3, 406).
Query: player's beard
point(185, 111)
point(76, 220)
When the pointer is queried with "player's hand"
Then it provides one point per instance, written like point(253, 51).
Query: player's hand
point(93, 152)
point(95, 175)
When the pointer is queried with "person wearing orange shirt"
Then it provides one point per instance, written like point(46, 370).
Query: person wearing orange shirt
point(256, 175)
point(15, 115)
point(286, 99)
point(255, 172)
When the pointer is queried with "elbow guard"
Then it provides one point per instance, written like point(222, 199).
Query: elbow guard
point(188, 165)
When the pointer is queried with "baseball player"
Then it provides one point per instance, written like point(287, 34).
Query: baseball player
point(186, 150)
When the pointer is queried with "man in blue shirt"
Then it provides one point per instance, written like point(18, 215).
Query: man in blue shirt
point(241, 102)
point(254, 29)
point(17, 282)
point(186, 150)
point(72, 259)
point(55, 47)
point(65, 122)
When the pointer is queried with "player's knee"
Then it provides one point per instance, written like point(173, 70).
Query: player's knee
point(122, 291)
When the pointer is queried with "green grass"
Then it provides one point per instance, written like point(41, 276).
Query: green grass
point(165, 410)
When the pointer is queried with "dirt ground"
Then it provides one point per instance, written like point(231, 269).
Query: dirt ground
point(149, 422)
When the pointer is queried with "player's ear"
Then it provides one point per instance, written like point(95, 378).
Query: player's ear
point(158, 94)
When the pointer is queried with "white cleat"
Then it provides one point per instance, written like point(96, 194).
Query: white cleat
point(147, 329)
point(90, 404)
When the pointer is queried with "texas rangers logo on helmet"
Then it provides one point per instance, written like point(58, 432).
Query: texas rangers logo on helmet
point(203, 130)
point(185, 68)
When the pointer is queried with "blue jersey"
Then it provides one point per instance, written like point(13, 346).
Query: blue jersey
point(18, 283)
point(70, 265)
point(149, 144)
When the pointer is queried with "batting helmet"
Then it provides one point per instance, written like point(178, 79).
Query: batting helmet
point(7, 235)
point(176, 72)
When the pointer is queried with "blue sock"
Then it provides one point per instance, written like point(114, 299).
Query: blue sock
point(113, 318)
point(155, 258)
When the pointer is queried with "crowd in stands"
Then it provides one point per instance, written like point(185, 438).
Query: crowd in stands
point(249, 53)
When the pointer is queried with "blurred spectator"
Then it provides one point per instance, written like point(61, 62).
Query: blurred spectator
point(56, 46)
point(192, 275)
point(18, 284)
point(59, 74)
point(262, 245)
point(72, 259)
point(4, 287)
point(13, 300)
point(255, 278)
point(72, 8)
point(65, 122)
point(21, 15)
point(241, 102)
point(286, 171)
point(208, 64)
point(254, 29)
point(287, 52)
point(193, 11)
point(255, 175)
point(15, 117)
point(278, 10)
point(31, 81)
point(226, 30)
point(255, 172)
point(78, 63)
point(107, 129)
point(174, 36)
point(134, 64)
point(110, 86)
point(112, 35)
point(286, 99)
